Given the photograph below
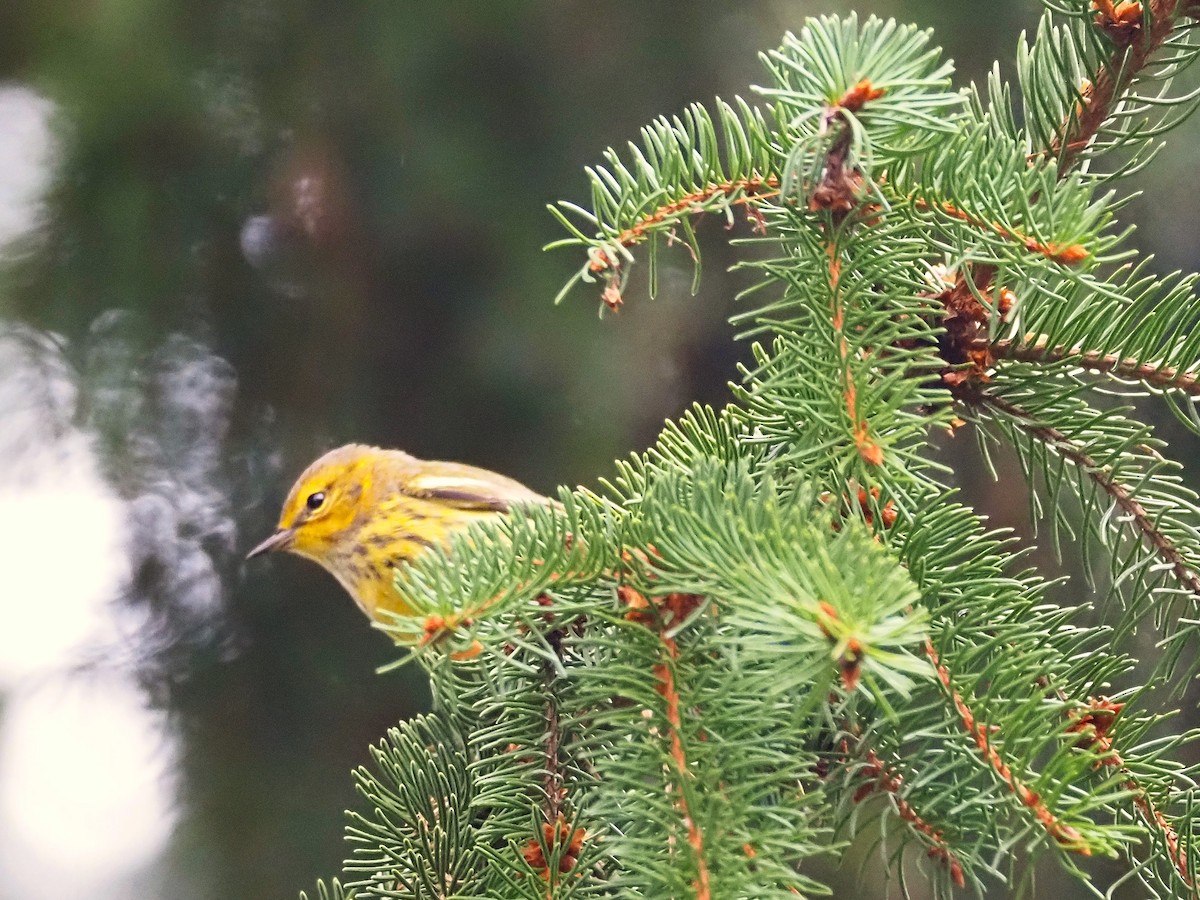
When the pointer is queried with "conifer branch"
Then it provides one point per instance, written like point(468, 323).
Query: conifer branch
point(752, 192)
point(837, 193)
point(1066, 836)
point(658, 614)
point(1094, 725)
point(868, 449)
point(1121, 495)
point(553, 781)
point(1131, 54)
point(880, 776)
point(1128, 368)
point(1155, 819)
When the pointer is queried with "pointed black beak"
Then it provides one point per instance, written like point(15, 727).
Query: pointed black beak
point(280, 540)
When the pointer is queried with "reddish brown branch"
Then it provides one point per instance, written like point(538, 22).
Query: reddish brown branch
point(1066, 836)
point(1093, 725)
point(866, 445)
point(1155, 819)
point(665, 673)
point(1114, 77)
point(555, 830)
point(837, 193)
point(1067, 255)
point(1120, 495)
point(659, 614)
point(751, 190)
point(1157, 375)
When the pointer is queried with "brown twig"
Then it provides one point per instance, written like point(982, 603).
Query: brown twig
point(553, 781)
point(555, 830)
point(752, 190)
point(837, 193)
point(1154, 374)
point(1155, 819)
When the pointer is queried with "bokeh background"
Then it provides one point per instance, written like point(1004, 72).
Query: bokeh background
point(234, 234)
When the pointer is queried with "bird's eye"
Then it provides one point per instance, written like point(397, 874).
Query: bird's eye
point(314, 501)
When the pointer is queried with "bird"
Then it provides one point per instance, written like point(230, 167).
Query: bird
point(361, 511)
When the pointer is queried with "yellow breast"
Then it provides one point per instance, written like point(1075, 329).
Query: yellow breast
point(367, 555)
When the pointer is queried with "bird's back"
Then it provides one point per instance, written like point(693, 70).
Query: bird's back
point(408, 506)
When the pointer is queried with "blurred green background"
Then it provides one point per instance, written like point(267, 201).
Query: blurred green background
point(261, 228)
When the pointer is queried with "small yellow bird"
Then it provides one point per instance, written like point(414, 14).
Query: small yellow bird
point(361, 511)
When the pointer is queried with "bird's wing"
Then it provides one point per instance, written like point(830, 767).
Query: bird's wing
point(467, 487)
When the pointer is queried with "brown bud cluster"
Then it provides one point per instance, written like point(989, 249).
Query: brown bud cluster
point(557, 833)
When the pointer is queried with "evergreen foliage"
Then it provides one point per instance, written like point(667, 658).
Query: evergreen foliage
point(776, 632)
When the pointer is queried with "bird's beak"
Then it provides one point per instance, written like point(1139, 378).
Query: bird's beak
point(280, 540)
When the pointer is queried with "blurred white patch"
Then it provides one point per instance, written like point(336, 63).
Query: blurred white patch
point(61, 528)
point(86, 795)
point(27, 157)
point(62, 554)
point(86, 770)
point(85, 792)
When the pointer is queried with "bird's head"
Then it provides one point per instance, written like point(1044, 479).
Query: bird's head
point(324, 504)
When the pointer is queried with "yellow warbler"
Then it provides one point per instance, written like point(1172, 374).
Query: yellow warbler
point(361, 511)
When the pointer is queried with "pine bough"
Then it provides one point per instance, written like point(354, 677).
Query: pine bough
point(776, 633)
